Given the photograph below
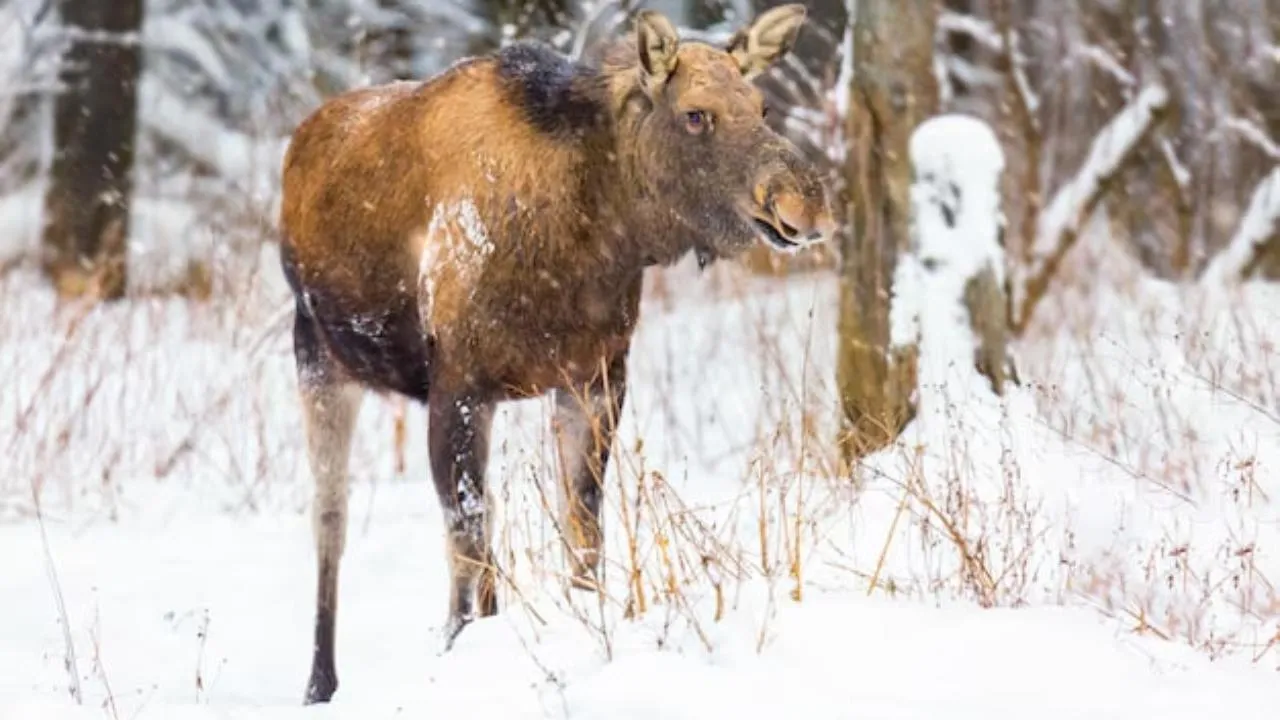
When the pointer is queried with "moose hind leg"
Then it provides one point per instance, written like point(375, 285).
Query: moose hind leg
point(330, 405)
point(585, 422)
point(458, 441)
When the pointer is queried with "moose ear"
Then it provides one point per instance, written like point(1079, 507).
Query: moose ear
point(657, 41)
point(772, 35)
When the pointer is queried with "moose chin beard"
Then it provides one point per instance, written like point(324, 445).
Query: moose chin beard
point(709, 236)
point(705, 255)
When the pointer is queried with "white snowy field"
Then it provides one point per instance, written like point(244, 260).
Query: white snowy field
point(1103, 542)
point(152, 590)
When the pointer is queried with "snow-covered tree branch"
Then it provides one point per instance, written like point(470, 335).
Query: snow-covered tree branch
point(1259, 232)
point(1111, 151)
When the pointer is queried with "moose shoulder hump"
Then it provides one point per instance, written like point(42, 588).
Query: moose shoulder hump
point(550, 89)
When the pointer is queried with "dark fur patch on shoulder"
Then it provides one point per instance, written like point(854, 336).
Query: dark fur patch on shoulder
point(550, 88)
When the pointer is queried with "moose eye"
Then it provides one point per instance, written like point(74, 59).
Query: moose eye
point(764, 111)
point(696, 121)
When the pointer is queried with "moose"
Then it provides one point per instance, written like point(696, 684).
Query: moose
point(482, 236)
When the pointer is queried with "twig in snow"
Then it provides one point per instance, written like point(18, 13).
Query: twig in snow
point(203, 636)
point(1111, 151)
point(69, 660)
point(110, 702)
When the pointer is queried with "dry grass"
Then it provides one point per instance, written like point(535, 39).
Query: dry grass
point(716, 486)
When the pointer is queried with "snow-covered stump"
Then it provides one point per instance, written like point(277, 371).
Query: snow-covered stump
point(949, 293)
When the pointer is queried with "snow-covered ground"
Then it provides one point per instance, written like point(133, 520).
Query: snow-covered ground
point(209, 618)
point(1128, 546)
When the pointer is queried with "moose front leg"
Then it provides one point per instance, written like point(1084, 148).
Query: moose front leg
point(458, 442)
point(585, 421)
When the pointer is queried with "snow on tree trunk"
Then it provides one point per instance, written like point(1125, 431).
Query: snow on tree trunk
point(949, 287)
point(1257, 237)
point(90, 185)
point(893, 90)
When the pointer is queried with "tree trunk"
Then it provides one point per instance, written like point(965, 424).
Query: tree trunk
point(90, 185)
point(894, 89)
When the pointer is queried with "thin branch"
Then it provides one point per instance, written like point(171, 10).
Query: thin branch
point(1102, 59)
point(1254, 135)
point(70, 663)
point(982, 31)
point(1181, 175)
point(1018, 67)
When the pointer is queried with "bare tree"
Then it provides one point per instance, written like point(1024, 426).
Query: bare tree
point(90, 183)
point(893, 90)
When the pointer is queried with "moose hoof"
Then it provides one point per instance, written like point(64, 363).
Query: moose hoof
point(320, 688)
point(452, 628)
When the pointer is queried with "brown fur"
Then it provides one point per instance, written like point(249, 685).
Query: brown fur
point(482, 236)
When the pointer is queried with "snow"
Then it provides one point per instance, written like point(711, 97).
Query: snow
point(454, 245)
point(956, 162)
point(231, 610)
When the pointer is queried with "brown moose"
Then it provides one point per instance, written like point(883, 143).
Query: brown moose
point(482, 236)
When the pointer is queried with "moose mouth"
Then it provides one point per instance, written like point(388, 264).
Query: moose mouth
point(771, 234)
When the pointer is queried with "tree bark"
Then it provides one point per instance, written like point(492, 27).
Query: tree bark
point(894, 89)
point(987, 305)
point(90, 185)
